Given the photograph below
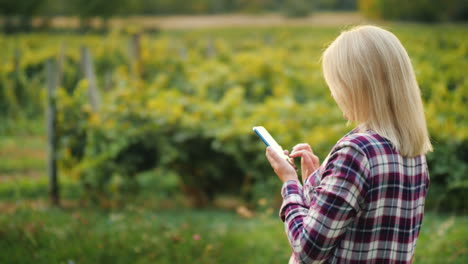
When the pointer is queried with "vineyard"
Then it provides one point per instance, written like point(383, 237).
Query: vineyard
point(182, 103)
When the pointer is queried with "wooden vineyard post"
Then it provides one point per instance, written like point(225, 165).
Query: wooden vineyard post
point(269, 40)
point(210, 48)
point(13, 102)
point(88, 72)
point(108, 81)
point(16, 60)
point(136, 47)
point(60, 64)
point(51, 135)
point(135, 55)
point(183, 53)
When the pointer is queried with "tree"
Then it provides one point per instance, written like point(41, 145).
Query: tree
point(297, 8)
point(18, 15)
point(415, 10)
point(103, 9)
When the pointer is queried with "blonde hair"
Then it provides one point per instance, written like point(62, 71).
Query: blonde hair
point(373, 82)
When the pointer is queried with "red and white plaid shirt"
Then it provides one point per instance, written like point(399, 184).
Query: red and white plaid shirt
point(365, 204)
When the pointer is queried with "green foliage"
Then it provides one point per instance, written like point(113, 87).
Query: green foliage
point(449, 183)
point(101, 8)
point(417, 10)
point(188, 106)
point(21, 87)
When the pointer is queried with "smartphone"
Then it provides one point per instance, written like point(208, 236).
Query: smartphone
point(263, 134)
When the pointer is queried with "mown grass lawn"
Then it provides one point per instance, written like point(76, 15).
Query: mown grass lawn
point(142, 232)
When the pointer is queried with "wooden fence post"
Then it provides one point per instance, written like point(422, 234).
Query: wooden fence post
point(51, 135)
point(88, 71)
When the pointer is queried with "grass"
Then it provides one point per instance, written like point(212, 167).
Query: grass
point(146, 235)
point(134, 235)
point(23, 168)
point(142, 232)
point(22, 154)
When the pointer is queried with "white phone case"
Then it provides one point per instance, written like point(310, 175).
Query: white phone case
point(270, 141)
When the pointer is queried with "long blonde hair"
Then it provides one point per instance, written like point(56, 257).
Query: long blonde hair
point(373, 82)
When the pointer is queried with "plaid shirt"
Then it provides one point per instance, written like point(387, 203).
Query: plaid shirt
point(364, 204)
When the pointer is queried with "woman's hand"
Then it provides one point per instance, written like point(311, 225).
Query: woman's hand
point(282, 168)
point(309, 162)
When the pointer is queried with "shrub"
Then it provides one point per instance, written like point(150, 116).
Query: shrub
point(297, 8)
point(449, 183)
point(418, 10)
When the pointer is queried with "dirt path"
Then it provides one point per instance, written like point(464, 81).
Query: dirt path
point(219, 21)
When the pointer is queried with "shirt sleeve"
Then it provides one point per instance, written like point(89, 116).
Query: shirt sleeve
point(309, 186)
point(315, 229)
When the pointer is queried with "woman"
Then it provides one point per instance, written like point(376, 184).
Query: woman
point(365, 203)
